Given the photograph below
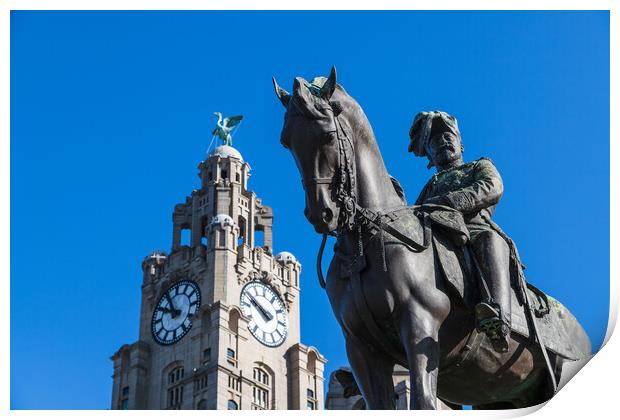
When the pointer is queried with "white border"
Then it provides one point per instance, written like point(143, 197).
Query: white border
point(592, 394)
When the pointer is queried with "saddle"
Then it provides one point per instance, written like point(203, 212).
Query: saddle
point(449, 234)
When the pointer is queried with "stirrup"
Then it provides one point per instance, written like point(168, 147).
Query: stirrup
point(489, 322)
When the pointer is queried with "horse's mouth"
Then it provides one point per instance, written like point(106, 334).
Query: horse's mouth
point(323, 228)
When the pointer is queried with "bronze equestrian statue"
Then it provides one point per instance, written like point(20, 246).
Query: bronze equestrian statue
point(405, 281)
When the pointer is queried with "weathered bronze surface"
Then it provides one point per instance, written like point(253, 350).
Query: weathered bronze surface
point(405, 280)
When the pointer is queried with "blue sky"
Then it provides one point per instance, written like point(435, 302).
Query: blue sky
point(112, 111)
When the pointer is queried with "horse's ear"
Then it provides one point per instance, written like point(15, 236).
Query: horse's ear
point(330, 85)
point(282, 95)
point(302, 94)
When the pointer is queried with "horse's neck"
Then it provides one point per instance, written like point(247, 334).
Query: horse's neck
point(375, 190)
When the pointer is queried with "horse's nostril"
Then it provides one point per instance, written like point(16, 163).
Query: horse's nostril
point(327, 215)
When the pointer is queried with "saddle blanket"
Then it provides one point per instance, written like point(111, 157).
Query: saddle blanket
point(559, 328)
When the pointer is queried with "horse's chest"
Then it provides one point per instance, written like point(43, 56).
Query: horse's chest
point(365, 301)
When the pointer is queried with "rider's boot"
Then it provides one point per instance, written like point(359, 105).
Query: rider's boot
point(493, 313)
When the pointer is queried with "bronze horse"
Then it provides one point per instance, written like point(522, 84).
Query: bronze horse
point(384, 284)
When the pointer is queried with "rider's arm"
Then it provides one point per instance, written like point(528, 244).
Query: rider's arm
point(485, 191)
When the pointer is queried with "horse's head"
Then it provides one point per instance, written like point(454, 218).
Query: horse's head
point(317, 141)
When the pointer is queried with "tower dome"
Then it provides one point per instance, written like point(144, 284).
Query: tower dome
point(286, 257)
point(225, 151)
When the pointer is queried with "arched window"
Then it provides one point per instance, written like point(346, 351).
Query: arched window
point(232, 405)
point(261, 376)
point(311, 391)
point(233, 321)
point(175, 388)
point(260, 390)
point(242, 230)
point(176, 375)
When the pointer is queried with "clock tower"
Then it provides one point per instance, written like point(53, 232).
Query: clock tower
point(219, 318)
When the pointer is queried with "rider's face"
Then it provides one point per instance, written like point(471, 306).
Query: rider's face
point(444, 147)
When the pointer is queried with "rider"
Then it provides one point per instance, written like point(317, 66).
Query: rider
point(473, 189)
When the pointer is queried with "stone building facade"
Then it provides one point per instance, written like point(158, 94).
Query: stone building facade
point(336, 399)
point(219, 318)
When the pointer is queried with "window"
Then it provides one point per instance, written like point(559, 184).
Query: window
point(237, 177)
point(311, 402)
point(230, 357)
point(200, 383)
point(175, 397)
point(232, 405)
point(175, 389)
point(224, 173)
point(206, 356)
point(260, 398)
point(234, 383)
point(125, 391)
point(222, 237)
point(124, 404)
point(176, 375)
point(261, 376)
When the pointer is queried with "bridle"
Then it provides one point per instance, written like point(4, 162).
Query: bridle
point(353, 217)
point(344, 178)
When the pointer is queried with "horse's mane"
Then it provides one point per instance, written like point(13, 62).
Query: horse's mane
point(315, 87)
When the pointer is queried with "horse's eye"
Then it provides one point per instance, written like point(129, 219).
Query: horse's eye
point(328, 137)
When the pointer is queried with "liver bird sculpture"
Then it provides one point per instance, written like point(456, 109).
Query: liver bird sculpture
point(225, 127)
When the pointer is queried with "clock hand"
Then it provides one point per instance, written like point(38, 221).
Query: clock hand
point(174, 311)
point(260, 308)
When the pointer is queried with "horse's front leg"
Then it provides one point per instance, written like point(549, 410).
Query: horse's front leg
point(373, 374)
point(419, 332)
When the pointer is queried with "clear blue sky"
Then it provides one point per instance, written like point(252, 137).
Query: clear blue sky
point(112, 111)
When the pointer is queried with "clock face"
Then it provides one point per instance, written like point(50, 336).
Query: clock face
point(268, 321)
point(172, 316)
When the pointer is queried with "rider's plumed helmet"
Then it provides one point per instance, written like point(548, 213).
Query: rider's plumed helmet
point(425, 125)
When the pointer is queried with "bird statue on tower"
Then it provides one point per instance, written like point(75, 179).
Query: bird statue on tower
point(225, 126)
